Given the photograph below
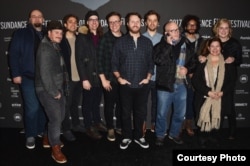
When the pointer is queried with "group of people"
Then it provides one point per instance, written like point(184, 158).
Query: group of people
point(58, 65)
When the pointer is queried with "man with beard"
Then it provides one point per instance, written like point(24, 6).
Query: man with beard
point(152, 19)
point(132, 66)
point(191, 27)
point(23, 49)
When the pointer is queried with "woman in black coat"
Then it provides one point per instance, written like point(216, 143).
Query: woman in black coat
point(214, 82)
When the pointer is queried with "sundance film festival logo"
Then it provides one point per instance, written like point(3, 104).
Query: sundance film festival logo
point(17, 117)
point(91, 4)
point(243, 78)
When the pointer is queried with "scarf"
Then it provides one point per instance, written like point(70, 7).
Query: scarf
point(209, 117)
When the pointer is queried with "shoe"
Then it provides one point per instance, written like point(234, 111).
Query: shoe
point(177, 140)
point(125, 142)
point(111, 135)
point(69, 136)
point(100, 127)
point(152, 128)
point(93, 133)
point(118, 131)
point(142, 142)
point(159, 141)
point(46, 143)
point(57, 154)
point(40, 135)
point(188, 127)
point(79, 128)
point(30, 143)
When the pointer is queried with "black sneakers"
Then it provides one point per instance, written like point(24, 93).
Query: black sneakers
point(177, 140)
point(30, 142)
point(125, 142)
point(142, 142)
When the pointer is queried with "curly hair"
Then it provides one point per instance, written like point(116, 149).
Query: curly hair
point(189, 17)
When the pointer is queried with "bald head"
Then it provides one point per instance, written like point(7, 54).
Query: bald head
point(172, 30)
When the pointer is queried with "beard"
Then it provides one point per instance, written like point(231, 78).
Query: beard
point(134, 29)
point(37, 25)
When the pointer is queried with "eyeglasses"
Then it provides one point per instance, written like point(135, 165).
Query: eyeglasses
point(191, 25)
point(93, 20)
point(114, 22)
point(174, 30)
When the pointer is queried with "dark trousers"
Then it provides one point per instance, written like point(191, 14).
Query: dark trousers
point(190, 106)
point(134, 104)
point(111, 104)
point(153, 93)
point(55, 110)
point(91, 106)
point(72, 102)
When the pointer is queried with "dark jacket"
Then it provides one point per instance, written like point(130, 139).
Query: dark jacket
point(22, 52)
point(49, 70)
point(86, 59)
point(201, 89)
point(66, 51)
point(165, 56)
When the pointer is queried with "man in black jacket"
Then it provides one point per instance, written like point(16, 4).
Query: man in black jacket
point(174, 60)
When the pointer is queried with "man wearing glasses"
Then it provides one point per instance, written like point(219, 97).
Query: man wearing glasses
point(173, 59)
point(109, 82)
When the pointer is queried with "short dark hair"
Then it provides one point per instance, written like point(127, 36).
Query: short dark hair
point(113, 14)
point(131, 14)
point(151, 12)
point(66, 17)
point(189, 17)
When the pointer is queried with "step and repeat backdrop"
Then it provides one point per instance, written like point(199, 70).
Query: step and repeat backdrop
point(14, 15)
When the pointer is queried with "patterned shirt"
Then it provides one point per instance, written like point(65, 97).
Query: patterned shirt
point(104, 55)
point(133, 61)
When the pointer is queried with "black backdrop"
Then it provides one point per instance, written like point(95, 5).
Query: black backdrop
point(14, 14)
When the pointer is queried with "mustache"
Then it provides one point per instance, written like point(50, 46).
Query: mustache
point(37, 25)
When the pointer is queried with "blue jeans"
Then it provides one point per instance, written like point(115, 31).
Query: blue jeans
point(55, 110)
point(164, 101)
point(34, 115)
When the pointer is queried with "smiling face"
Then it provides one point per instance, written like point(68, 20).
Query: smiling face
point(114, 23)
point(215, 48)
point(71, 24)
point(55, 35)
point(93, 23)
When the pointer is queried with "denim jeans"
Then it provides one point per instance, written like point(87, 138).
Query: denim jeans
point(55, 110)
point(91, 106)
point(34, 115)
point(164, 102)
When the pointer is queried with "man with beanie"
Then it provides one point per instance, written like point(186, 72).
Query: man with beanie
point(51, 80)
point(86, 61)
